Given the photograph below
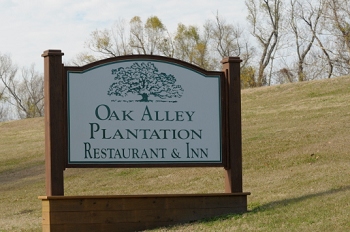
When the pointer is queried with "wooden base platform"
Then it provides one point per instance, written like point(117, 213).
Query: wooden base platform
point(134, 212)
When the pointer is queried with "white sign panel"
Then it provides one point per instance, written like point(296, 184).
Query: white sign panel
point(143, 112)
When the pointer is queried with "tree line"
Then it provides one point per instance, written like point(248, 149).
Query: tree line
point(283, 41)
point(21, 91)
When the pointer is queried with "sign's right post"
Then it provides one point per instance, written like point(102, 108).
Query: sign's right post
point(233, 172)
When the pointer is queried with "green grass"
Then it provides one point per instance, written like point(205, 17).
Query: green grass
point(296, 164)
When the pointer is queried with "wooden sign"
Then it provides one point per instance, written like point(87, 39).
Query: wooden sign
point(142, 111)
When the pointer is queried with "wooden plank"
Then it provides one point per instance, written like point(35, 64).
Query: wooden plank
point(45, 204)
point(67, 205)
point(46, 228)
point(107, 204)
point(139, 216)
point(120, 227)
point(146, 202)
point(180, 215)
point(46, 218)
point(62, 213)
point(138, 196)
point(205, 201)
point(142, 196)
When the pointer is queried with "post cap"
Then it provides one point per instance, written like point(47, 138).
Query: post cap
point(52, 52)
point(231, 59)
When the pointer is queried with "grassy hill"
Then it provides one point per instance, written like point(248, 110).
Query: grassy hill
point(296, 164)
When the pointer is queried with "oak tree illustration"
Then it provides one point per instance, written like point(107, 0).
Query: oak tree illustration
point(145, 80)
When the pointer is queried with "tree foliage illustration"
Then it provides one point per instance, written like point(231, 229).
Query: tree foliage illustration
point(144, 80)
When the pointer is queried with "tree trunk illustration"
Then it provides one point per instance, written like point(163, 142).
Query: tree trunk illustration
point(144, 97)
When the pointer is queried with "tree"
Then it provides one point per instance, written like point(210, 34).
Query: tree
point(31, 93)
point(248, 77)
point(327, 56)
point(104, 44)
point(265, 19)
point(151, 38)
point(3, 115)
point(337, 22)
point(285, 76)
point(191, 46)
point(147, 38)
point(228, 40)
point(304, 13)
point(144, 80)
point(7, 72)
point(188, 43)
point(26, 93)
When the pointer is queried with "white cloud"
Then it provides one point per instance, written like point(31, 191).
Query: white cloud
point(30, 27)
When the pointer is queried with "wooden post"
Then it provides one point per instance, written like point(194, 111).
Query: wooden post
point(54, 122)
point(233, 173)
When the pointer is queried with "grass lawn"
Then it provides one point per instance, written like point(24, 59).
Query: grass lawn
point(296, 164)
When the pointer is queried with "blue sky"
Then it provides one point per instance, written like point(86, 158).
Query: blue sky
point(30, 27)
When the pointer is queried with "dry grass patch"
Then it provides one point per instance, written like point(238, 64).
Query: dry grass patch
point(296, 164)
point(21, 174)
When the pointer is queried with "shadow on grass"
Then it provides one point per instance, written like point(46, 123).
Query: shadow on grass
point(282, 203)
point(269, 206)
point(14, 177)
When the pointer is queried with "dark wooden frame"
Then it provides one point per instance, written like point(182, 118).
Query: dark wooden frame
point(233, 174)
point(56, 141)
point(55, 122)
point(162, 59)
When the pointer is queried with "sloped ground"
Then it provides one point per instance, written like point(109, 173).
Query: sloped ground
point(296, 163)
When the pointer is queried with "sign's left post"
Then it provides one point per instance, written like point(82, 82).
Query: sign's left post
point(55, 122)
